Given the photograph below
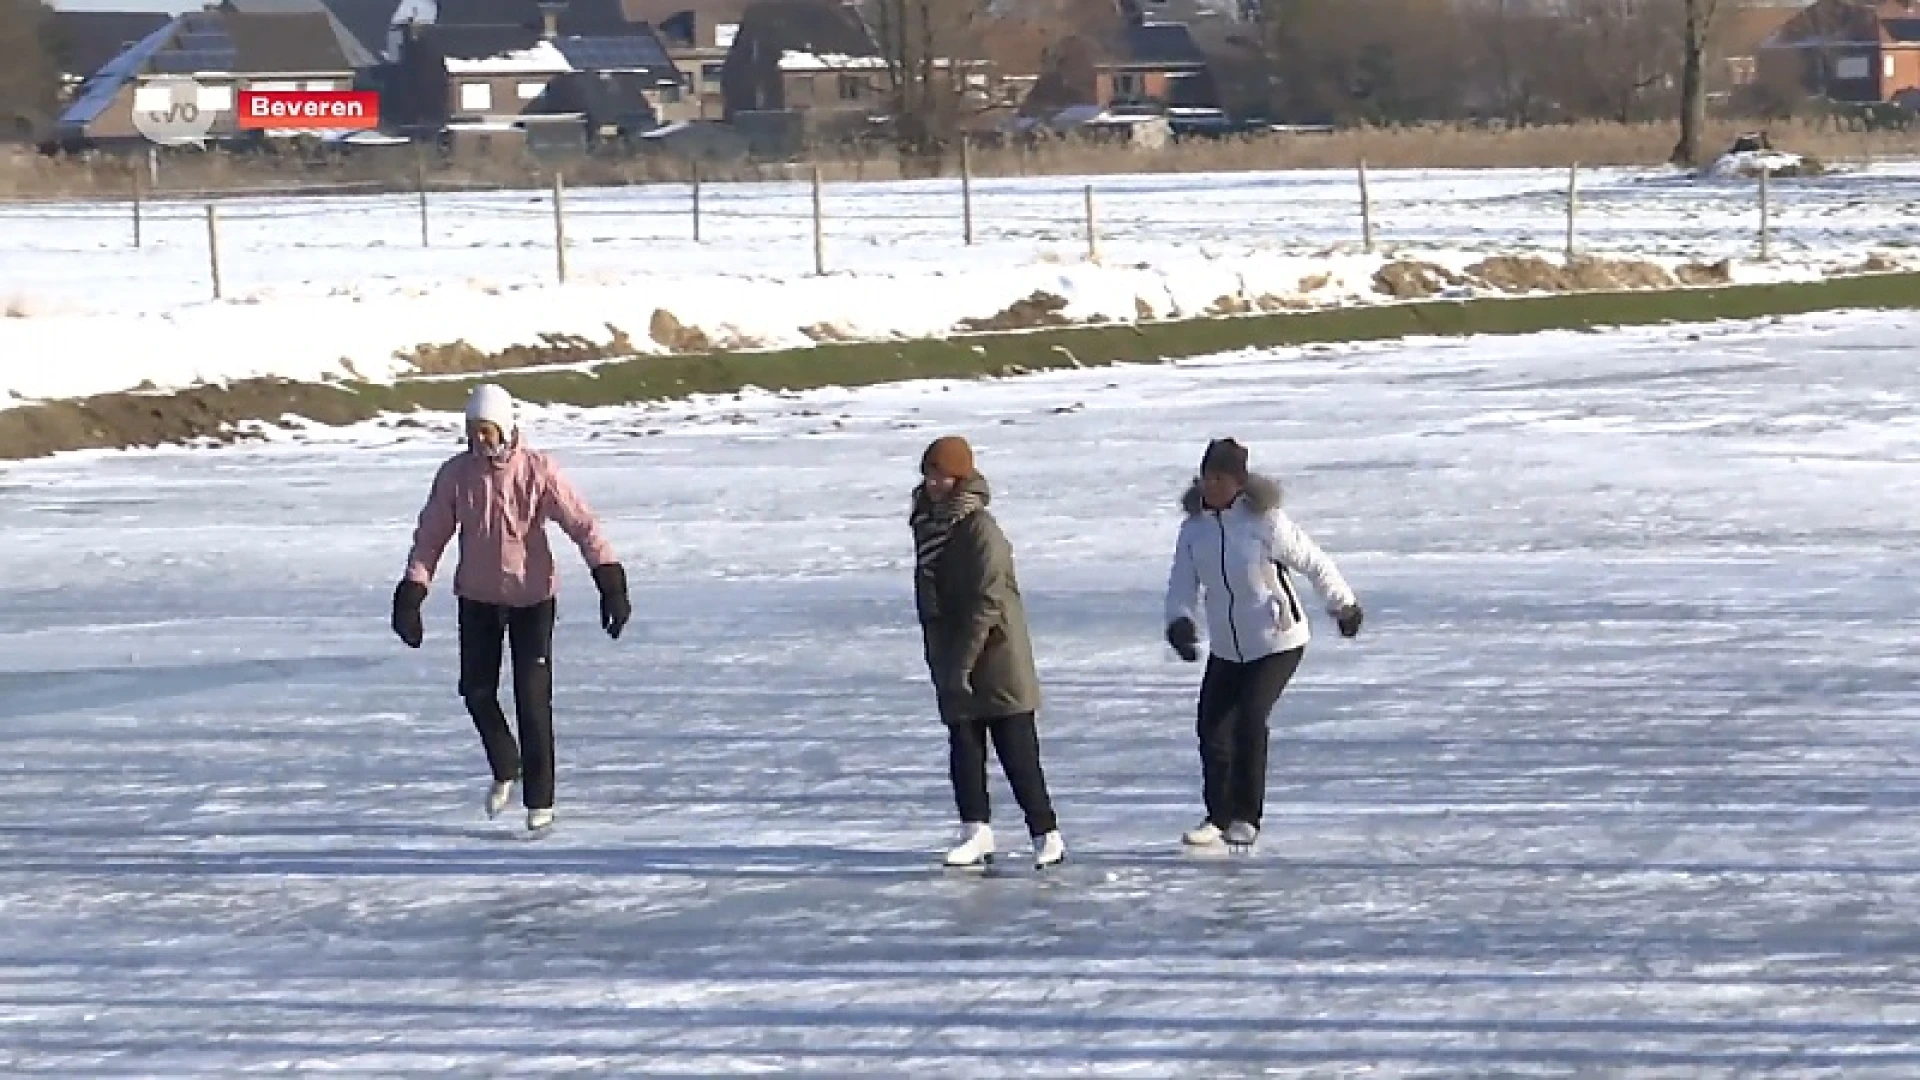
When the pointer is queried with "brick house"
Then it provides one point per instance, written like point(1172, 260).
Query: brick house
point(698, 34)
point(510, 64)
point(802, 55)
point(1858, 51)
point(1140, 65)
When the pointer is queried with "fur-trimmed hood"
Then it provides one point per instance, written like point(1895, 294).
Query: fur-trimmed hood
point(1262, 494)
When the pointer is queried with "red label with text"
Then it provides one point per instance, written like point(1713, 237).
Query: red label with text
point(321, 110)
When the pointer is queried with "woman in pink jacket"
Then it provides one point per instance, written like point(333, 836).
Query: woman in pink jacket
point(498, 495)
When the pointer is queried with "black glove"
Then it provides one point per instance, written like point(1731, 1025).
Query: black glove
point(955, 691)
point(1349, 619)
point(611, 580)
point(1184, 639)
point(407, 598)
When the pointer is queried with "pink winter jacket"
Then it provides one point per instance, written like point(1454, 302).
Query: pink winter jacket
point(501, 511)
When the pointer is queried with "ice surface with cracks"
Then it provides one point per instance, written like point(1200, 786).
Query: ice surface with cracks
point(1619, 778)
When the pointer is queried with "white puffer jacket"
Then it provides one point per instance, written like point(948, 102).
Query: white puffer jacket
point(1239, 558)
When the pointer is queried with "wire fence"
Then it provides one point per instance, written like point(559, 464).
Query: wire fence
point(819, 229)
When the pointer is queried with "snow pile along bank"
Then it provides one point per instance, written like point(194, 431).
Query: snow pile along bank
point(383, 335)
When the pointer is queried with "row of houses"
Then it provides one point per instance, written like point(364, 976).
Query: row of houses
point(777, 71)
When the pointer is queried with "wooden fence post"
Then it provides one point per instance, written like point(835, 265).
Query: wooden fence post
point(559, 226)
point(1366, 209)
point(1093, 229)
point(819, 229)
point(966, 188)
point(213, 248)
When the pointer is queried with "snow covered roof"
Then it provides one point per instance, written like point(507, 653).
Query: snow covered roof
point(542, 58)
point(794, 60)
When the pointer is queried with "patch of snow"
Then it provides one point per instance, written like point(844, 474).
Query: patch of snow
point(314, 285)
point(795, 60)
point(542, 58)
point(1751, 163)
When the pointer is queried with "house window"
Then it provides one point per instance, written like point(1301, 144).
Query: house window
point(724, 33)
point(1886, 67)
point(712, 72)
point(670, 95)
point(529, 90)
point(1853, 67)
point(852, 87)
point(476, 97)
point(1129, 85)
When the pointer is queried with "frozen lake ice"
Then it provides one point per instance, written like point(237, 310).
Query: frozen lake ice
point(1618, 780)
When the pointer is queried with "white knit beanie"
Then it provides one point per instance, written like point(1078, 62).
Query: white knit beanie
point(493, 404)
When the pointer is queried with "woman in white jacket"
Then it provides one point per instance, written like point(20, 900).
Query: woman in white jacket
point(1235, 549)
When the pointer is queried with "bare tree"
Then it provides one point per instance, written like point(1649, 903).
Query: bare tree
point(1693, 80)
point(1623, 59)
point(1372, 60)
point(1516, 61)
point(928, 47)
point(1022, 39)
point(29, 78)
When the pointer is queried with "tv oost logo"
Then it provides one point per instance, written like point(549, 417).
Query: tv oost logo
point(173, 113)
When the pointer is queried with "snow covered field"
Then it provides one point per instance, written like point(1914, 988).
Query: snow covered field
point(310, 283)
point(1619, 780)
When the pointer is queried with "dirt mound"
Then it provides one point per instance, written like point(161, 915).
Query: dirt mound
point(675, 336)
point(1719, 273)
point(827, 334)
point(1406, 279)
point(1519, 273)
point(461, 358)
point(1602, 274)
point(133, 419)
point(1040, 309)
point(1530, 273)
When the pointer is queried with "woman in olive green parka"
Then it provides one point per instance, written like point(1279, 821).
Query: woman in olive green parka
point(974, 628)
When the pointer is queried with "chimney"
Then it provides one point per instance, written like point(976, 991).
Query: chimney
point(550, 12)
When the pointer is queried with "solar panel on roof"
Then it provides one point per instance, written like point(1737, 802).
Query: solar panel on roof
point(99, 92)
point(613, 53)
point(187, 60)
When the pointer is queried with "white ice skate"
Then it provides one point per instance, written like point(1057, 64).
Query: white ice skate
point(1241, 835)
point(1049, 850)
point(539, 821)
point(1205, 834)
point(498, 796)
point(976, 846)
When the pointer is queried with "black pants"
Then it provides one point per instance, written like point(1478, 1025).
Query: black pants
point(530, 631)
point(1017, 740)
point(1235, 700)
